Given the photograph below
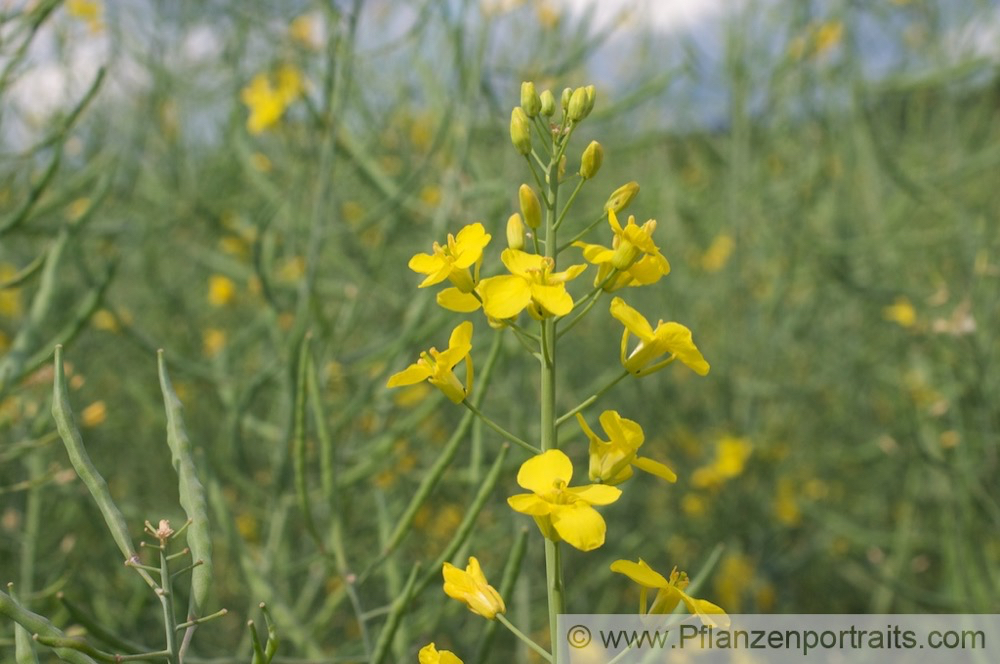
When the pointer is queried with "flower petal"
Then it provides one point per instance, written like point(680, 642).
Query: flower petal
point(596, 494)
point(641, 573)
point(504, 296)
point(529, 503)
point(520, 263)
point(554, 299)
point(542, 472)
point(580, 525)
point(631, 319)
point(411, 375)
point(453, 299)
point(661, 470)
point(678, 340)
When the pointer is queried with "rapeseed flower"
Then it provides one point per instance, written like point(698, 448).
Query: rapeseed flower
point(471, 588)
point(562, 512)
point(532, 284)
point(633, 253)
point(429, 654)
point(670, 592)
point(268, 98)
point(436, 366)
point(611, 460)
point(671, 338)
point(458, 262)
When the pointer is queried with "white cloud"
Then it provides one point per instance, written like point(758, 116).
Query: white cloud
point(665, 15)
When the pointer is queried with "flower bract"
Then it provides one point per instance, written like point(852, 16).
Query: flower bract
point(562, 512)
point(611, 460)
point(436, 366)
point(672, 338)
point(469, 586)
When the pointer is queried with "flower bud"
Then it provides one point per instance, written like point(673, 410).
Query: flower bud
point(567, 94)
point(591, 98)
point(621, 197)
point(529, 99)
point(578, 105)
point(591, 161)
point(520, 131)
point(530, 207)
point(548, 103)
point(515, 232)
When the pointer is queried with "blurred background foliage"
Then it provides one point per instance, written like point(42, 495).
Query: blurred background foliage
point(825, 179)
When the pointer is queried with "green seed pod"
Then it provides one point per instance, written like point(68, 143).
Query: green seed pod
point(520, 130)
point(591, 161)
point(529, 99)
point(515, 232)
point(548, 103)
point(621, 197)
point(530, 207)
point(578, 105)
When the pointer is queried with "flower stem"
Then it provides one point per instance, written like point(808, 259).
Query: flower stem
point(569, 204)
point(591, 399)
point(524, 637)
point(500, 430)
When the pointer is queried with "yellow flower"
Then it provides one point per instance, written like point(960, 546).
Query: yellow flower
point(470, 587)
point(670, 592)
point(458, 262)
point(94, 414)
point(901, 312)
point(267, 99)
point(633, 253)
point(221, 290)
point(562, 512)
point(213, 341)
point(611, 460)
point(827, 36)
point(671, 338)
point(431, 655)
point(731, 455)
point(436, 366)
point(718, 253)
point(531, 284)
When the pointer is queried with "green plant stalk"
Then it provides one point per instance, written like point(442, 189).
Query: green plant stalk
point(166, 595)
point(524, 637)
point(591, 399)
point(299, 441)
point(24, 645)
point(36, 624)
point(399, 608)
point(553, 572)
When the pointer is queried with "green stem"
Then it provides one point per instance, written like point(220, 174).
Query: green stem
point(591, 399)
point(582, 234)
point(500, 430)
point(524, 637)
point(167, 601)
point(569, 203)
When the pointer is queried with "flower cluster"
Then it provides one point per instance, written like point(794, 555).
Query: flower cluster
point(532, 278)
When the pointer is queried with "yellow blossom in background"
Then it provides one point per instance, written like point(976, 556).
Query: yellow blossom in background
point(292, 270)
point(260, 162)
point(268, 97)
point(470, 588)
point(611, 460)
point(694, 505)
point(212, 341)
point(436, 366)
point(785, 504)
point(732, 580)
point(429, 654)
point(562, 512)
point(306, 30)
point(731, 455)
point(221, 290)
point(94, 414)
point(548, 16)
point(412, 395)
point(670, 592)
point(458, 261)
point(10, 298)
point(431, 195)
point(88, 11)
point(531, 285)
point(672, 338)
point(718, 253)
point(901, 312)
point(105, 320)
point(76, 209)
point(828, 36)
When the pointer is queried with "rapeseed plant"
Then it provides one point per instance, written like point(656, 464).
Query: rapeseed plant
point(537, 283)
